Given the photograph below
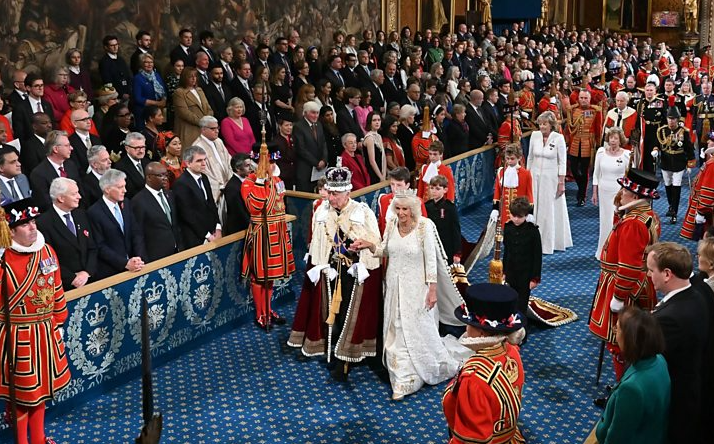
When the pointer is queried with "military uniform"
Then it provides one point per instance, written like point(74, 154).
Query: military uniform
point(653, 114)
point(635, 94)
point(583, 134)
point(509, 132)
point(704, 113)
point(677, 154)
point(527, 103)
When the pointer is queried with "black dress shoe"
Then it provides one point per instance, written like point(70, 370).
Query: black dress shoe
point(581, 202)
point(276, 318)
point(670, 212)
point(600, 402)
point(673, 220)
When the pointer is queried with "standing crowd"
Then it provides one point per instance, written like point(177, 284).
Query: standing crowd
point(152, 162)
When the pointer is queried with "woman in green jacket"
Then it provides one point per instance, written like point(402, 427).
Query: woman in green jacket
point(638, 407)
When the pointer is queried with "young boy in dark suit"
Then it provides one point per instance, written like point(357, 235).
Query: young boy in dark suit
point(522, 253)
point(443, 213)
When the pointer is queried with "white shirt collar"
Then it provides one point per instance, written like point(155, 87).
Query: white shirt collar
point(97, 175)
point(110, 204)
point(195, 176)
point(113, 56)
point(56, 166)
point(61, 213)
point(669, 295)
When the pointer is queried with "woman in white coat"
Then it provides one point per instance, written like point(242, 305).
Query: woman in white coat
point(547, 160)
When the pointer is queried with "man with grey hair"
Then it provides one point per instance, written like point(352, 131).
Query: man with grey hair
point(81, 140)
point(120, 241)
point(66, 228)
point(56, 164)
point(196, 208)
point(312, 155)
point(363, 70)
point(624, 117)
point(481, 130)
point(99, 163)
point(133, 163)
point(218, 161)
point(376, 79)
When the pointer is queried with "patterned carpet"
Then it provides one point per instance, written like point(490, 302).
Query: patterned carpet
point(248, 387)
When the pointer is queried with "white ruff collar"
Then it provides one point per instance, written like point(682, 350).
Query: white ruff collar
point(479, 343)
point(632, 204)
point(34, 248)
point(510, 179)
point(431, 171)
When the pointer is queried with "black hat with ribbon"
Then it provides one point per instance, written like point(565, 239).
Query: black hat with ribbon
point(643, 183)
point(491, 307)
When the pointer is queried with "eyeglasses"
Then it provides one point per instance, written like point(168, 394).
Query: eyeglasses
point(41, 85)
point(140, 147)
point(83, 119)
point(212, 128)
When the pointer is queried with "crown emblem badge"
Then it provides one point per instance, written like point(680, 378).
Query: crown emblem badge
point(201, 273)
point(154, 293)
point(97, 315)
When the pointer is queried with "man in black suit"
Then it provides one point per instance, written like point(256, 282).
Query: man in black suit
point(413, 98)
point(280, 58)
point(480, 130)
point(263, 53)
point(197, 212)
point(133, 163)
point(255, 108)
point(240, 85)
point(203, 65)
point(183, 50)
point(13, 184)
point(237, 217)
point(155, 212)
point(56, 164)
point(19, 92)
point(33, 147)
point(99, 163)
point(349, 73)
point(392, 87)
point(333, 73)
point(22, 114)
point(683, 314)
point(81, 140)
point(490, 105)
point(217, 93)
point(119, 239)
point(347, 116)
point(66, 228)
point(143, 46)
point(247, 43)
point(376, 79)
point(363, 70)
point(206, 39)
point(308, 134)
point(114, 70)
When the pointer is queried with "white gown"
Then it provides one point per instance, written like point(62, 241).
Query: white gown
point(414, 353)
point(607, 170)
point(546, 161)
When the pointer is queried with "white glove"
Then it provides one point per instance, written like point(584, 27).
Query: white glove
point(494, 216)
point(61, 332)
point(699, 219)
point(553, 100)
point(530, 218)
point(260, 181)
point(616, 305)
point(701, 154)
point(525, 115)
point(655, 154)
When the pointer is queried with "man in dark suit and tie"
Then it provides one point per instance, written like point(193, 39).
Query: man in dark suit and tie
point(217, 93)
point(333, 72)
point(376, 79)
point(363, 70)
point(308, 134)
point(240, 85)
point(480, 130)
point(255, 108)
point(237, 217)
point(207, 39)
point(81, 140)
point(119, 239)
point(280, 58)
point(347, 116)
point(114, 69)
point(203, 65)
point(19, 93)
point(183, 50)
point(197, 212)
point(392, 87)
point(683, 314)
point(99, 163)
point(13, 184)
point(143, 46)
point(248, 43)
point(263, 53)
point(23, 112)
point(490, 105)
point(56, 164)
point(33, 148)
point(66, 228)
point(413, 98)
point(349, 71)
point(133, 163)
point(155, 212)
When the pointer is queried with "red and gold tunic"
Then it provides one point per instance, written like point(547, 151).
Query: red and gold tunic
point(583, 130)
point(663, 66)
point(628, 122)
point(423, 187)
point(524, 189)
point(527, 103)
point(701, 200)
point(641, 78)
point(504, 138)
point(280, 261)
point(34, 285)
point(482, 403)
point(616, 85)
point(420, 147)
point(623, 269)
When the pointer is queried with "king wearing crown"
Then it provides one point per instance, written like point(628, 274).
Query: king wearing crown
point(32, 311)
point(268, 254)
point(341, 317)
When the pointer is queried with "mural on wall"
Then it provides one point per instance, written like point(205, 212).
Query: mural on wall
point(35, 33)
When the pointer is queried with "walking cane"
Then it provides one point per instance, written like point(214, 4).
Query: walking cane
point(9, 348)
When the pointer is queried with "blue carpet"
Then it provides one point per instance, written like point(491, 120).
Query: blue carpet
point(249, 387)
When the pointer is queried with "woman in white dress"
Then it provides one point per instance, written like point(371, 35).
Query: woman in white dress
point(611, 162)
point(547, 159)
point(418, 294)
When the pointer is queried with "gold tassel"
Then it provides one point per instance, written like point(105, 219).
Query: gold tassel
point(336, 301)
point(5, 236)
point(495, 271)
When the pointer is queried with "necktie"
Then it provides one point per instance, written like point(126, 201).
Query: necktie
point(204, 76)
point(354, 116)
point(62, 172)
point(314, 131)
point(339, 77)
point(619, 118)
point(200, 186)
point(88, 142)
point(13, 193)
point(39, 107)
point(138, 167)
point(220, 90)
point(118, 217)
point(70, 224)
point(165, 204)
